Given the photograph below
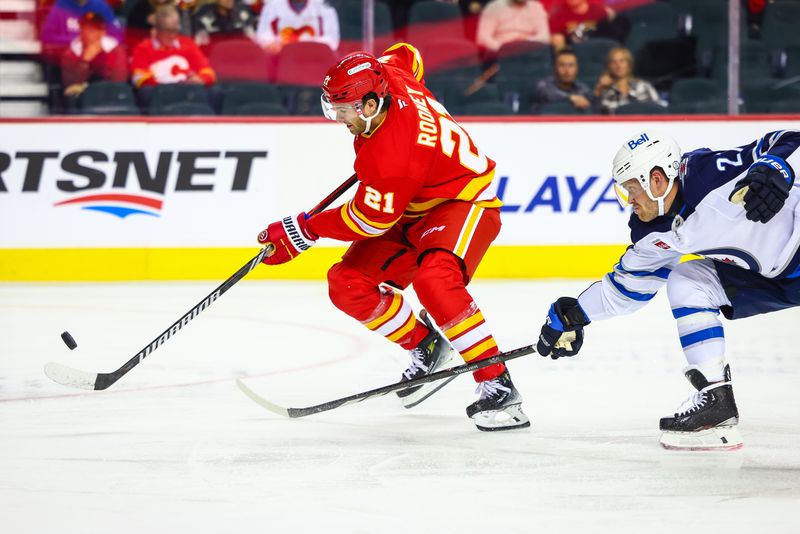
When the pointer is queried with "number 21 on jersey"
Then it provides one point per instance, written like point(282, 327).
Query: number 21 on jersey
point(379, 201)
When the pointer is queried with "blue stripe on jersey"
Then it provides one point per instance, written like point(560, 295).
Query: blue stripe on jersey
point(701, 335)
point(793, 274)
point(683, 312)
point(662, 273)
point(633, 295)
point(781, 143)
point(758, 151)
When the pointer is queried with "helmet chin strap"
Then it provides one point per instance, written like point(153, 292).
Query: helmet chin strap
point(660, 199)
point(368, 120)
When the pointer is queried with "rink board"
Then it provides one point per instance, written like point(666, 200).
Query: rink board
point(169, 200)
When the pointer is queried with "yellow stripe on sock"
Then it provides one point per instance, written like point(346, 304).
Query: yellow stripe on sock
point(397, 301)
point(403, 330)
point(466, 324)
point(478, 350)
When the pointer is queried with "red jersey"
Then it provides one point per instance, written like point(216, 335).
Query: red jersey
point(567, 23)
point(153, 63)
point(417, 158)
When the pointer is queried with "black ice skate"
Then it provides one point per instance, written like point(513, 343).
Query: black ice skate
point(499, 406)
point(434, 353)
point(705, 421)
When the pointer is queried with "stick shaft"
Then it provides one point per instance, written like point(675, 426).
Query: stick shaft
point(104, 380)
point(378, 392)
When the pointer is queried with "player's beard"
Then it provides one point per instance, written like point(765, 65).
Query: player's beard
point(645, 215)
point(356, 129)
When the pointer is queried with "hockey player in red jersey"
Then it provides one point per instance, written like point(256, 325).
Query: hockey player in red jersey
point(424, 214)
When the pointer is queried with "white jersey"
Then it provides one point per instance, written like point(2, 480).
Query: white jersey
point(703, 221)
point(279, 22)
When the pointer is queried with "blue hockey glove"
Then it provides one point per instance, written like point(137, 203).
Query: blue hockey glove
point(562, 332)
point(768, 183)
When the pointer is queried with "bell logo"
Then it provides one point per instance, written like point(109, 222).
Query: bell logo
point(633, 143)
point(326, 80)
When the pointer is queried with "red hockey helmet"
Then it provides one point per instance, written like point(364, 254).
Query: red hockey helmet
point(355, 76)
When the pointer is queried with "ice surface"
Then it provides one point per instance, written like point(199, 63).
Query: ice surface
point(175, 447)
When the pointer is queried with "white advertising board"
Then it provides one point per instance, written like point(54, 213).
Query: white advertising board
point(216, 184)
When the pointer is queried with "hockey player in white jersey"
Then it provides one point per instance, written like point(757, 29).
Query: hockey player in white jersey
point(736, 208)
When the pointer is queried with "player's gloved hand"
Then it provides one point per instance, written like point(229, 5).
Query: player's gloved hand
point(562, 332)
point(768, 183)
point(290, 236)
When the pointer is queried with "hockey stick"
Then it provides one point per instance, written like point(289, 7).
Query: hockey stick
point(68, 376)
point(478, 83)
point(378, 392)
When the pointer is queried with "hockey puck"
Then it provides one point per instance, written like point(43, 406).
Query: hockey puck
point(68, 340)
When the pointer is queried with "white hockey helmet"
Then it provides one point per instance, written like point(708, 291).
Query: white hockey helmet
point(640, 155)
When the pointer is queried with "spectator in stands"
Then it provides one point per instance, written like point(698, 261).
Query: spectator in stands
point(140, 18)
point(563, 84)
point(507, 21)
point(572, 21)
point(289, 21)
point(169, 57)
point(223, 18)
point(617, 86)
point(61, 26)
point(93, 55)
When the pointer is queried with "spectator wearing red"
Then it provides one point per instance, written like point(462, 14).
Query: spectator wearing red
point(289, 21)
point(93, 55)
point(169, 57)
point(507, 21)
point(572, 21)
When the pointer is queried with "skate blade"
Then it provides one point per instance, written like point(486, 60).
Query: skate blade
point(509, 418)
point(426, 390)
point(720, 438)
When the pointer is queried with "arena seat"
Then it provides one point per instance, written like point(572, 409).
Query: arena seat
point(563, 107)
point(176, 93)
point(429, 21)
point(650, 22)
point(108, 98)
point(351, 26)
point(304, 63)
point(184, 109)
point(239, 60)
point(592, 55)
point(641, 108)
point(235, 95)
point(487, 108)
point(255, 109)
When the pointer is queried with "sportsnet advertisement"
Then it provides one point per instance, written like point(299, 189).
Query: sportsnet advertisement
point(172, 200)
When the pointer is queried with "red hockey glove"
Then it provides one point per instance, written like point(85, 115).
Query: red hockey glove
point(290, 236)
